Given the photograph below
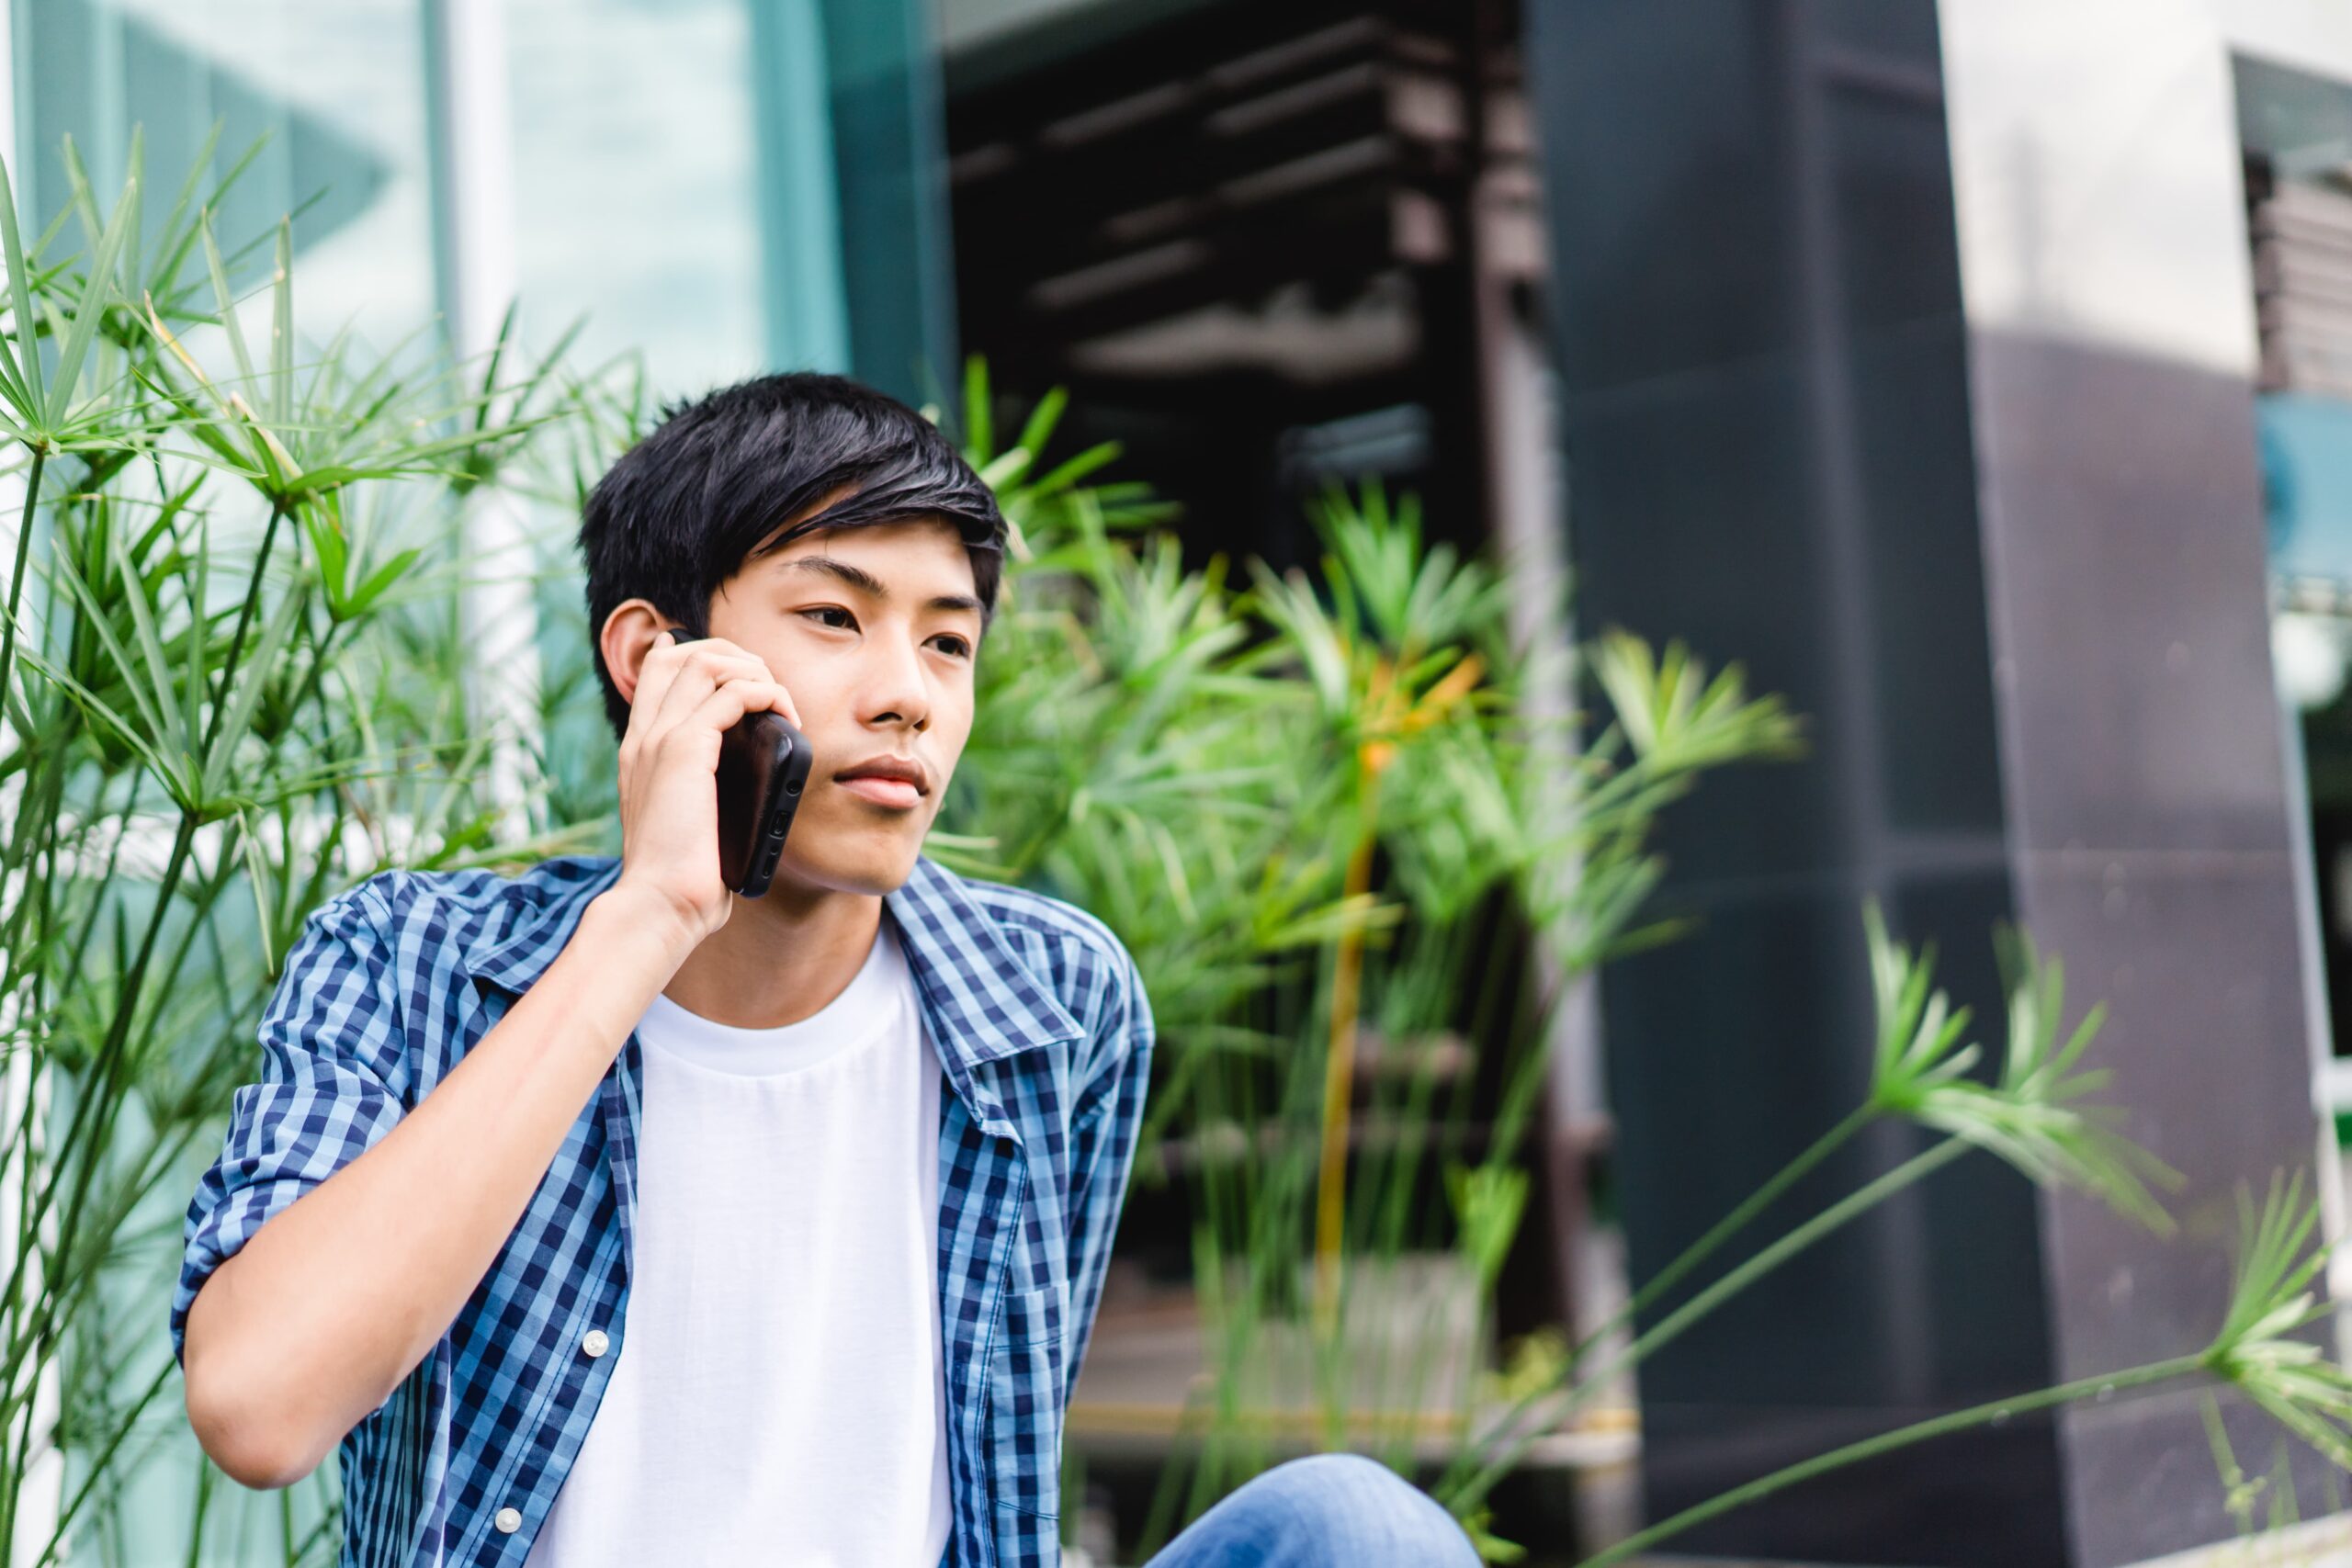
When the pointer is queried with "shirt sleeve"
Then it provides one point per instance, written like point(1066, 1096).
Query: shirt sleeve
point(1103, 1147)
point(329, 1038)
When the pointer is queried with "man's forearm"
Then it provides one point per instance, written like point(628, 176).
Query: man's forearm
point(315, 1320)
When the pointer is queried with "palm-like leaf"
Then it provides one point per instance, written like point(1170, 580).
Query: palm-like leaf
point(2036, 1115)
point(1920, 1049)
point(1405, 596)
point(47, 407)
point(2271, 1298)
point(297, 429)
point(1671, 713)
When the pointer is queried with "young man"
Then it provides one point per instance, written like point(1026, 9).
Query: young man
point(601, 1218)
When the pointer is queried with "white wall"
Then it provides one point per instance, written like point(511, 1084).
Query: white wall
point(2096, 175)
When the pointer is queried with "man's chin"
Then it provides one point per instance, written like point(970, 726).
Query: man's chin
point(871, 864)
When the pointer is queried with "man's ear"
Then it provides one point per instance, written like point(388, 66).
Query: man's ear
point(626, 637)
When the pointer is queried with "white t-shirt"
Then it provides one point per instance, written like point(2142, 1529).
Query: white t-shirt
point(777, 1398)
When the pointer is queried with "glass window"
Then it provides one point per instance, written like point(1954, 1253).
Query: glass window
point(336, 91)
point(635, 183)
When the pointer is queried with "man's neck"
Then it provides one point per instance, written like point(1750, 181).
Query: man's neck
point(779, 958)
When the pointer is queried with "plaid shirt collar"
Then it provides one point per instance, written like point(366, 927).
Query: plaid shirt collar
point(982, 1004)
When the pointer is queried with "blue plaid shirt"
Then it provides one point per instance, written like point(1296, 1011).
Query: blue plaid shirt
point(1044, 1035)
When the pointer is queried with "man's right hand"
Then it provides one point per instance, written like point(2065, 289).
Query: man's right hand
point(293, 1338)
point(687, 696)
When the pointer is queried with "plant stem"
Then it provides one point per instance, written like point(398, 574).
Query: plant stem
point(244, 621)
point(1689, 1259)
point(1672, 1326)
point(1730, 1224)
point(98, 1470)
point(1339, 1078)
point(16, 578)
point(1886, 1442)
point(102, 1064)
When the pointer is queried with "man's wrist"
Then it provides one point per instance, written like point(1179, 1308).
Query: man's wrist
point(647, 926)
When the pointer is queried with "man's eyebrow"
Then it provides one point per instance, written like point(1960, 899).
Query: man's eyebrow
point(866, 582)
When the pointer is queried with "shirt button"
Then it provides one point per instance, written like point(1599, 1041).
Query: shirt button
point(508, 1521)
point(594, 1342)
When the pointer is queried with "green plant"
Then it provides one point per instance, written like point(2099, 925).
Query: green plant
point(2256, 1351)
point(226, 672)
point(2037, 1115)
point(1317, 809)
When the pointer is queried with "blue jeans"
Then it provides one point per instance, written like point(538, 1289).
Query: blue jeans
point(1323, 1511)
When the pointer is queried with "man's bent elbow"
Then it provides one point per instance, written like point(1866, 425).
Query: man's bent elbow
point(250, 1450)
point(254, 1445)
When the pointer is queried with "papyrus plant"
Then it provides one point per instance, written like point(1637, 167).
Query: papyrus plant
point(2038, 1113)
point(2256, 1352)
point(233, 559)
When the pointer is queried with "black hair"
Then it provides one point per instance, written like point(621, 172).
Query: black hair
point(687, 507)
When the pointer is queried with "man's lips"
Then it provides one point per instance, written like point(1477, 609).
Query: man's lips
point(896, 793)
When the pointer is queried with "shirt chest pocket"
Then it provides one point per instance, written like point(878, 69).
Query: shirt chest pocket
point(1026, 1403)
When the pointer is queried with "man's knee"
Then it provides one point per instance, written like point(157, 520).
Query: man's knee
point(1361, 1511)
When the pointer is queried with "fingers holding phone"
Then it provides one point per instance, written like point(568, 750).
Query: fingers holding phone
point(688, 696)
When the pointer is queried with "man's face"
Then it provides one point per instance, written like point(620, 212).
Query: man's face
point(872, 630)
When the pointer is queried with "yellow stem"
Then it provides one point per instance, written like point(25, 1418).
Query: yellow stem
point(1338, 1089)
point(1340, 1060)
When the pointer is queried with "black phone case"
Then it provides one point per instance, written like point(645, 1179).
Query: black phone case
point(762, 767)
point(763, 764)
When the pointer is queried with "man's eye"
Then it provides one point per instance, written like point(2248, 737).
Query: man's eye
point(957, 646)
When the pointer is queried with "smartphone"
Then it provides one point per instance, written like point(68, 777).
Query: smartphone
point(764, 761)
